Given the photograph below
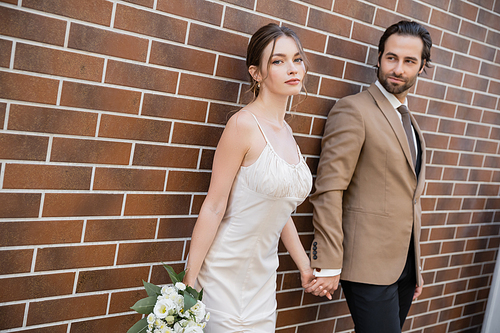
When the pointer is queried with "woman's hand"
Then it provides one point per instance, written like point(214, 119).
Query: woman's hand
point(307, 277)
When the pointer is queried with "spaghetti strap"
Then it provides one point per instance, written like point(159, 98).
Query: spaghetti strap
point(260, 127)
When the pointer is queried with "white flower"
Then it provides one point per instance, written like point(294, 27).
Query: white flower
point(180, 286)
point(163, 308)
point(198, 310)
point(168, 290)
point(151, 318)
point(207, 317)
point(170, 320)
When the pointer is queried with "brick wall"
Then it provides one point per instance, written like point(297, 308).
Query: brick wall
point(110, 112)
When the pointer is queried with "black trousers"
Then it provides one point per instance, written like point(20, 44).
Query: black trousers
point(382, 309)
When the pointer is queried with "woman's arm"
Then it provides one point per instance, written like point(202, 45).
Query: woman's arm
point(291, 240)
point(233, 148)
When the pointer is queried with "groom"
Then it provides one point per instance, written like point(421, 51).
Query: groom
point(367, 199)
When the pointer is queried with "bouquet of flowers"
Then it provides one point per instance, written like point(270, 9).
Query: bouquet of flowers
point(173, 308)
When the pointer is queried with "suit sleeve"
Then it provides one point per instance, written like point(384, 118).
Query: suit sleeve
point(342, 142)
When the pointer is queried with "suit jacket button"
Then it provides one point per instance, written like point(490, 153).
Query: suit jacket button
point(315, 243)
point(315, 257)
point(315, 252)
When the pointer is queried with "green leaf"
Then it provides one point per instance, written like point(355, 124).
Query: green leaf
point(189, 301)
point(192, 291)
point(152, 289)
point(145, 305)
point(140, 326)
point(200, 294)
point(181, 275)
point(173, 276)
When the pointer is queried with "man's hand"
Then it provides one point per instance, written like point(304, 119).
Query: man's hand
point(324, 286)
point(418, 290)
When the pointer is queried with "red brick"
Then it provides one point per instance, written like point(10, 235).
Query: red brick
point(484, 100)
point(319, 327)
point(466, 63)
point(365, 33)
point(107, 42)
point(149, 23)
point(467, 113)
point(36, 286)
point(25, 176)
point(431, 89)
point(480, 175)
point(455, 43)
point(459, 95)
point(196, 134)
point(19, 205)
point(442, 109)
point(346, 49)
point(474, 82)
point(429, 249)
point(90, 151)
point(24, 25)
point(108, 279)
point(458, 218)
point(207, 157)
point(338, 89)
point(414, 9)
point(445, 21)
point(294, 12)
point(448, 204)
point(247, 22)
point(436, 141)
point(430, 219)
point(316, 105)
point(176, 227)
point(11, 316)
point(476, 244)
point(494, 87)
point(5, 51)
point(492, 38)
point(442, 233)
point(489, 148)
point(100, 98)
point(67, 308)
point(40, 232)
point(182, 57)
point(453, 246)
point(331, 23)
point(57, 121)
point(15, 261)
point(183, 181)
point(121, 301)
point(433, 173)
point(441, 56)
point(174, 108)
point(473, 203)
point(120, 229)
point(489, 230)
point(491, 117)
point(477, 130)
point(164, 156)
point(360, 73)
point(146, 3)
point(134, 128)
point(382, 19)
point(482, 51)
point(23, 147)
point(356, 10)
point(220, 113)
point(460, 143)
point(490, 70)
point(157, 204)
point(431, 291)
point(295, 316)
point(471, 160)
point(217, 40)
point(469, 271)
point(209, 88)
point(232, 68)
point(108, 324)
point(57, 258)
point(28, 88)
point(133, 253)
point(95, 11)
point(198, 10)
point(129, 179)
point(489, 19)
point(482, 217)
point(144, 77)
point(449, 76)
point(445, 158)
point(473, 31)
point(82, 204)
point(464, 9)
point(326, 65)
point(465, 189)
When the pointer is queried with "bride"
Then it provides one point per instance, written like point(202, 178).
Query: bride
point(258, 179)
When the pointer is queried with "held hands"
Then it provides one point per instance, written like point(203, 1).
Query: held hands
point(324, 286)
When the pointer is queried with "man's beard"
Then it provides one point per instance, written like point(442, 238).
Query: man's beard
point(396, 89)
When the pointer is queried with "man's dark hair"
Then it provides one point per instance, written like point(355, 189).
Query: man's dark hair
point(408, 28)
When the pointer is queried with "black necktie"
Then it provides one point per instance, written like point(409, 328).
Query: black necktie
point(405, 117)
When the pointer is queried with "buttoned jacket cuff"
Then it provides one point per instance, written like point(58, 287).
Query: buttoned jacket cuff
point(327, 272)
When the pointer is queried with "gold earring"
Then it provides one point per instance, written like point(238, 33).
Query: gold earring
point(258, 84)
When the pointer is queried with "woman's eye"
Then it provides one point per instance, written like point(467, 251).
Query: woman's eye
point(298, 60)
point(277, 62)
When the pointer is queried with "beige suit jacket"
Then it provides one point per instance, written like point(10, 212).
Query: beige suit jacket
point(367, 197)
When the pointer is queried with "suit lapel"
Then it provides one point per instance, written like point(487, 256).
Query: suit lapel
point(421, 176)
point(390, 114)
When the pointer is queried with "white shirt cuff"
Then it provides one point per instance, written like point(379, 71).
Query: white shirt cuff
point(327, 272)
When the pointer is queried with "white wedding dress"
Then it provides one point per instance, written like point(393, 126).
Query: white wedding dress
point(239, 272)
